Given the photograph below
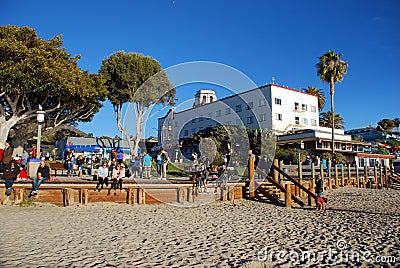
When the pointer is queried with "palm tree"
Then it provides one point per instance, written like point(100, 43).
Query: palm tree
point(331, 69)
point(325, 120)
point(320, 95)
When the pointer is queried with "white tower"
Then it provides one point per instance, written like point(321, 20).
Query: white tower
point(204, 96)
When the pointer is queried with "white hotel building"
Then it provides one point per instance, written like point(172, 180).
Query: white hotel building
point(274, 107)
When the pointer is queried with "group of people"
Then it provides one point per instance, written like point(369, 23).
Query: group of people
point(116, 171)
point(11, 168)
point(141, 166)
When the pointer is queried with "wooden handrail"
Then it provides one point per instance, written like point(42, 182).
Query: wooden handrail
point(294, 181)
point(279, 186)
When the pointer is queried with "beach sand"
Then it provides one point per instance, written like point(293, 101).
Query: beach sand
point(249, 234)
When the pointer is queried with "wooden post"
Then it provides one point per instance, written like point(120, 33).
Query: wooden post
point(312, 171)
point(337, 176)
point(329, 178)
point(375, 177)
point(252, 184)
point(276, 173)
point(342, 176)
point(66, 201)
point(142, 196)
point(386, 176)
point(381, 177)
point(365, 176)
point(86, 194)
point(311, 201)
point(322, 173)
point(18, 196)
point(189, 194)
point(231, 193)
point(357, 177)
point(300, 173)
point(135, 196)
point(288, 196)
point(224, 194)
point(349, 181)
point(129, 197)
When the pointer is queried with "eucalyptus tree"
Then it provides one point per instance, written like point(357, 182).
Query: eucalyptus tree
point(331, 69)
point(139, 80)
point(37, 74)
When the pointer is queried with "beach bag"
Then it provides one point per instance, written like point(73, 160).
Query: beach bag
point(8, 174)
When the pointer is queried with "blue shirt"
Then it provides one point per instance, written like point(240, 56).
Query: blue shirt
point(147, 160)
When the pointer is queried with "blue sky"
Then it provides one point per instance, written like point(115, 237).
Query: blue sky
point(262, 39)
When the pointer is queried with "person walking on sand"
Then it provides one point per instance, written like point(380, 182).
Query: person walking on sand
point(42, 174)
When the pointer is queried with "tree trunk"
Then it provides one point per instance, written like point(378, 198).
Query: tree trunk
point(332, 92)
point(138, 134)
point(6, 125)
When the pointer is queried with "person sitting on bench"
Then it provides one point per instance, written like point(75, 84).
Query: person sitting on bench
point(43, 174)
point(102, 174)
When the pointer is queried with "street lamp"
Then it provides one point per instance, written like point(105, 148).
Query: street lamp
point(40, 119)
point(301, 147)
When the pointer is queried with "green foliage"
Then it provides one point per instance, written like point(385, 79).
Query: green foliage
point(325, 120)
point(126, 73)
point(338, 156)
point(381, 151)
point(139, 80)
point(37, 72)
point(386, 125)
point(320, 95)
point(27, 202)
point(331, 68)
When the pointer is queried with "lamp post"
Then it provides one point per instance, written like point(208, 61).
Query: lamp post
point(301, 147)
point(40, 119)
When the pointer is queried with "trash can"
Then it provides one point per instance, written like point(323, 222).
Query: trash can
point(32, 166)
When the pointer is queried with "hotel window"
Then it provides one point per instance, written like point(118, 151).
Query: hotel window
point(305, 121)
point(227, 111)
point(193, 131)
point(218, 113)
point(296, 106)
point(304, 107)
point(194, 120)
point(262, 102)
point(186, 133)
point(313, 109)
point(278, 117)
point(297, 120)
point(238, 108)
point(201, 118)
point(250, 120)
point(263, 117)
point(250, 105)
point(278, 101)
point(313, 122)
point(201, 128)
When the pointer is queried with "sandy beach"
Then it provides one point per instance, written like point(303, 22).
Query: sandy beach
point(250, 234)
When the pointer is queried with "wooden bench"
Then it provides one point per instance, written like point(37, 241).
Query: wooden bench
point(57, 166)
